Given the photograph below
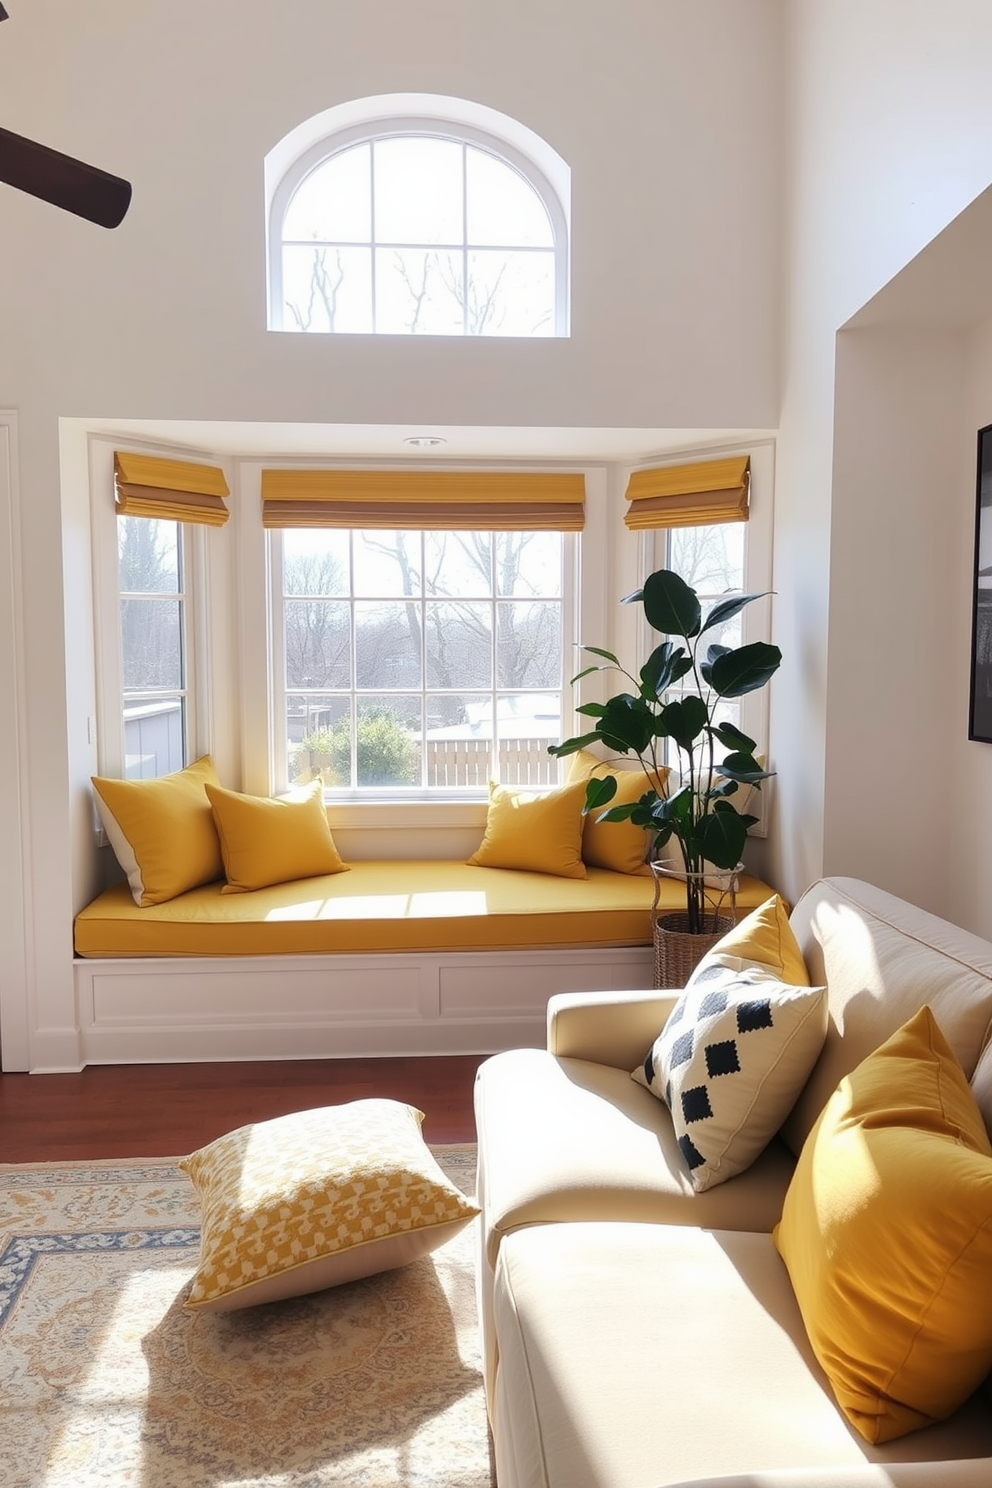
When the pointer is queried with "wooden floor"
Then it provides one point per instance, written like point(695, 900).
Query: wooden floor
point(166, 1110)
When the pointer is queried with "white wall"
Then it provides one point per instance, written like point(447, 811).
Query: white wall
point(967, 767)
point(890, 137)
point(668, 114)
point(900, 608)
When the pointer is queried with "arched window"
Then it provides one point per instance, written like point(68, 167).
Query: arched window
point(416, 215)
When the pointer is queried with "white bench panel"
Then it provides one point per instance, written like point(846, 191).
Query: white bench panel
point(152, 1010)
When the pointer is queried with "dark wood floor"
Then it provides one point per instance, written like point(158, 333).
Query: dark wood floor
point(166, 1110)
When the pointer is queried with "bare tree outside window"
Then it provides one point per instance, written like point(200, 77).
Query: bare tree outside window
point(418, 234)
point(454, 637)
point(152, 631)
point(711, 560)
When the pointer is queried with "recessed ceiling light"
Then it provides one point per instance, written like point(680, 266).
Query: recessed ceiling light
point(424, 441)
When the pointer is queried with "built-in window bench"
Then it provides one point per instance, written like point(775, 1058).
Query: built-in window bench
point(391, 957)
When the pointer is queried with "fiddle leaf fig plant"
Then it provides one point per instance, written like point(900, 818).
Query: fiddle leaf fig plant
point(715, 758)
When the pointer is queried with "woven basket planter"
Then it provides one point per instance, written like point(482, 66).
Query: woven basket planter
point(677, 953)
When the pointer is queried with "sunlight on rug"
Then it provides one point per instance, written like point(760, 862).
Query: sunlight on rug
point(106, 1380)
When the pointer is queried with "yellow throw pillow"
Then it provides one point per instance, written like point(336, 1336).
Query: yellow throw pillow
point(265, 841)
point(887, 1235)
point(317, 1198)
point(617, 845)
point(763, 938)
point(539, 833)
point(162, 831)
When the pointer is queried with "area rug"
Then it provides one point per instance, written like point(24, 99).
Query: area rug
point(107, 1381)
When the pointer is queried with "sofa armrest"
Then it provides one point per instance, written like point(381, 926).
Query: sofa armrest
point(615, 1028)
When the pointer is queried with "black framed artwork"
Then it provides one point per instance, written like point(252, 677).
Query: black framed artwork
point(980, 715)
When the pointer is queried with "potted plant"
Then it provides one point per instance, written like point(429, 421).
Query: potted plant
point(715, 758)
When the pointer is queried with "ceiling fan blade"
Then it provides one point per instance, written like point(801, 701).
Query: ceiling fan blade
point(63, 181)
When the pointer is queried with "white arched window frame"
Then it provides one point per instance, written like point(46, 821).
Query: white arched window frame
point(317, 140)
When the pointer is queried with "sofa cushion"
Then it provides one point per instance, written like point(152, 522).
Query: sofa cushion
point(881, 960)
point(606, 1149)
point(887, 1234)
point(317, 1198)
point(981, 1086)
point(680, 1357)
point(569, 1139)
point(266, 841)
point(162, 831)
point(540, 833)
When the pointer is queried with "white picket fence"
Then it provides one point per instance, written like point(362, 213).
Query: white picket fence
point(452, 762)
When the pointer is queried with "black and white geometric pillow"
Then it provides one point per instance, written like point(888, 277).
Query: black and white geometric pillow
point(730, 1062)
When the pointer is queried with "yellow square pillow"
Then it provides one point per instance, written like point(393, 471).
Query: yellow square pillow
point(162, 831)
point(317, 1198)
point(617, 845)
point(265, 841)
point(887, 1235)
point(763, 938)
point(538, 833)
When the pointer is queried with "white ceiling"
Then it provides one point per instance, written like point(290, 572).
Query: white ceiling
point(386, 441)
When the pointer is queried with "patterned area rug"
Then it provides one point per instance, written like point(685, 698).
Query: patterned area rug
point(106, 1380)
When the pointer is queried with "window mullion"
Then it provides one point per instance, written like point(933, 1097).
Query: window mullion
point(464, 239)
point(372, 244)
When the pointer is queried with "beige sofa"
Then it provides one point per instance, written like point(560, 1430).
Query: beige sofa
point(638, 1333)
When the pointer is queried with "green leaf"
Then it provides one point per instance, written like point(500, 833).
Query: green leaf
point(591, 710)
point(743, 767)
point(670, 606)
point(684, 720)
point(620, 813)
point(598, 651)
point(726, 787)
point(627, 725)
point(572, 746)
point(633, 597)
point(666, 664)
point(713, 653)
point(731, 737)
point(599, 792)
point(744, 670)
point(726, 609)
point(586, 673)
point(722, 835)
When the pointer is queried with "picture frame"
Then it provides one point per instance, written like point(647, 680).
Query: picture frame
point(980, 706)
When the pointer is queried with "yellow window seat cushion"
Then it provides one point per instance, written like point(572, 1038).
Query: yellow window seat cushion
point(380, 906)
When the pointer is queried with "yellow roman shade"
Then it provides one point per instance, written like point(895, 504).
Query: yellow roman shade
point(690, 495)
point(176, 490)
point(503, 501)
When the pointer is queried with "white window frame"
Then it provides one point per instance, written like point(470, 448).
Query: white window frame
point(445, 118)
point(756, 619)
point(260, 727)
point(369, 794)
point(109, 671)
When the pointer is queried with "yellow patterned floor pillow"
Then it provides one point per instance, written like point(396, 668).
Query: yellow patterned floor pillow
point(317, 1198)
